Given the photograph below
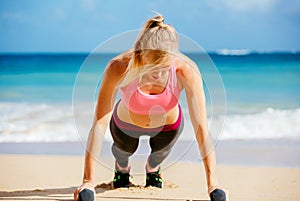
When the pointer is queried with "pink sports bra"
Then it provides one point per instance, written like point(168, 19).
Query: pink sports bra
point(145, 104)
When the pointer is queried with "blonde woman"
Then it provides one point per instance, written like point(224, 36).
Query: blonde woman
point(150, 78)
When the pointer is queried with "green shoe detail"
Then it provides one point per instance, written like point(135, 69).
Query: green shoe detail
point(121, 179)
point(154, 179)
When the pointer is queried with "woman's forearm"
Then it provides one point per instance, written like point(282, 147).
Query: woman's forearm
point(206, 147)
point(89, 169)
point(93, 148)
point(210, 169)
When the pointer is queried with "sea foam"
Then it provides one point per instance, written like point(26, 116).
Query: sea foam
point(24, 122)
point(268, 124)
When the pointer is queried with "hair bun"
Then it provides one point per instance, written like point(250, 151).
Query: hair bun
point(159, 19)
point(155, 21)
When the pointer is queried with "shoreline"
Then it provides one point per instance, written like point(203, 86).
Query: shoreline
point(262, 153)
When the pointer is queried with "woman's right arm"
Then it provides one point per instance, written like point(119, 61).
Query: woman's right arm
point(107, 94)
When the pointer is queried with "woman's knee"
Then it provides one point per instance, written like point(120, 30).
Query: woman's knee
point(129, 148)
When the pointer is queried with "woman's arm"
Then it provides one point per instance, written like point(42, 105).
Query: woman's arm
point(105, 103)
point(191, 80)
point(107, 94)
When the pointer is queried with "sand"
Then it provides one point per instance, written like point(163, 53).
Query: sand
point(44, 177)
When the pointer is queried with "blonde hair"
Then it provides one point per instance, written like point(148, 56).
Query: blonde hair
point(155, 46)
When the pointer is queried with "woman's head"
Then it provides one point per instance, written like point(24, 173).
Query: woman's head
point(156, 42)
point(155, 46)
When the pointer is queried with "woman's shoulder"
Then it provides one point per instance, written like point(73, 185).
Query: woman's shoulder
point(184, 65)
point(118, 65)
point(124, 57)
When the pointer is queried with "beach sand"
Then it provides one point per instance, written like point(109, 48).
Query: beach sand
point(46, 177)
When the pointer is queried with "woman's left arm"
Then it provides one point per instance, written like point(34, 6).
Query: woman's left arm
point(191, 80)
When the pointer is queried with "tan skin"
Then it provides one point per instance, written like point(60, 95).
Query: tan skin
point(188, 79)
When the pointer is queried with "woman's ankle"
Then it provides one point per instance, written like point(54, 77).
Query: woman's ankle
point(149, 168)
point(122, 169)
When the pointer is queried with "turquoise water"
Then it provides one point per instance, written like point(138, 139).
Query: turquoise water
point(258, 87)
point(271, 80)
point(254, 80)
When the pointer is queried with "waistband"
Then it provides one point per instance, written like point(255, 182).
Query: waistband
point(130, 127)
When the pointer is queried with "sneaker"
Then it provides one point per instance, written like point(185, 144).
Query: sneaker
point(121, 179)
point(154, 179)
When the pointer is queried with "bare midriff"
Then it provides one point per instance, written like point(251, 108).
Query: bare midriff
point(149, 120)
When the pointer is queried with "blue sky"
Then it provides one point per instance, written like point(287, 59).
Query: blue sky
point(81, 25)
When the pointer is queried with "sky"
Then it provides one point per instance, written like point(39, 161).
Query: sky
point(81, 25)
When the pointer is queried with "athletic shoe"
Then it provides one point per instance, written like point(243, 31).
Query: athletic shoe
point(154, 179)
point(121, 179)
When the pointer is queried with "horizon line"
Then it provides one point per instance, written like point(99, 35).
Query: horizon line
point(217, 51)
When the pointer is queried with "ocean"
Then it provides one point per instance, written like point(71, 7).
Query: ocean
point(50, 97)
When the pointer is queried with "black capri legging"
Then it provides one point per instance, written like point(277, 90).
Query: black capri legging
point(126, 139)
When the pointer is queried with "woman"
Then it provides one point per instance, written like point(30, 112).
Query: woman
point(150, 77)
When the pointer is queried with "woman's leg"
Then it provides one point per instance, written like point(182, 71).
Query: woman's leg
point(161, 145)
point(124, 146)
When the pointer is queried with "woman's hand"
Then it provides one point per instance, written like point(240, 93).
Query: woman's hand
point(85, 192)
point(217, 195)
